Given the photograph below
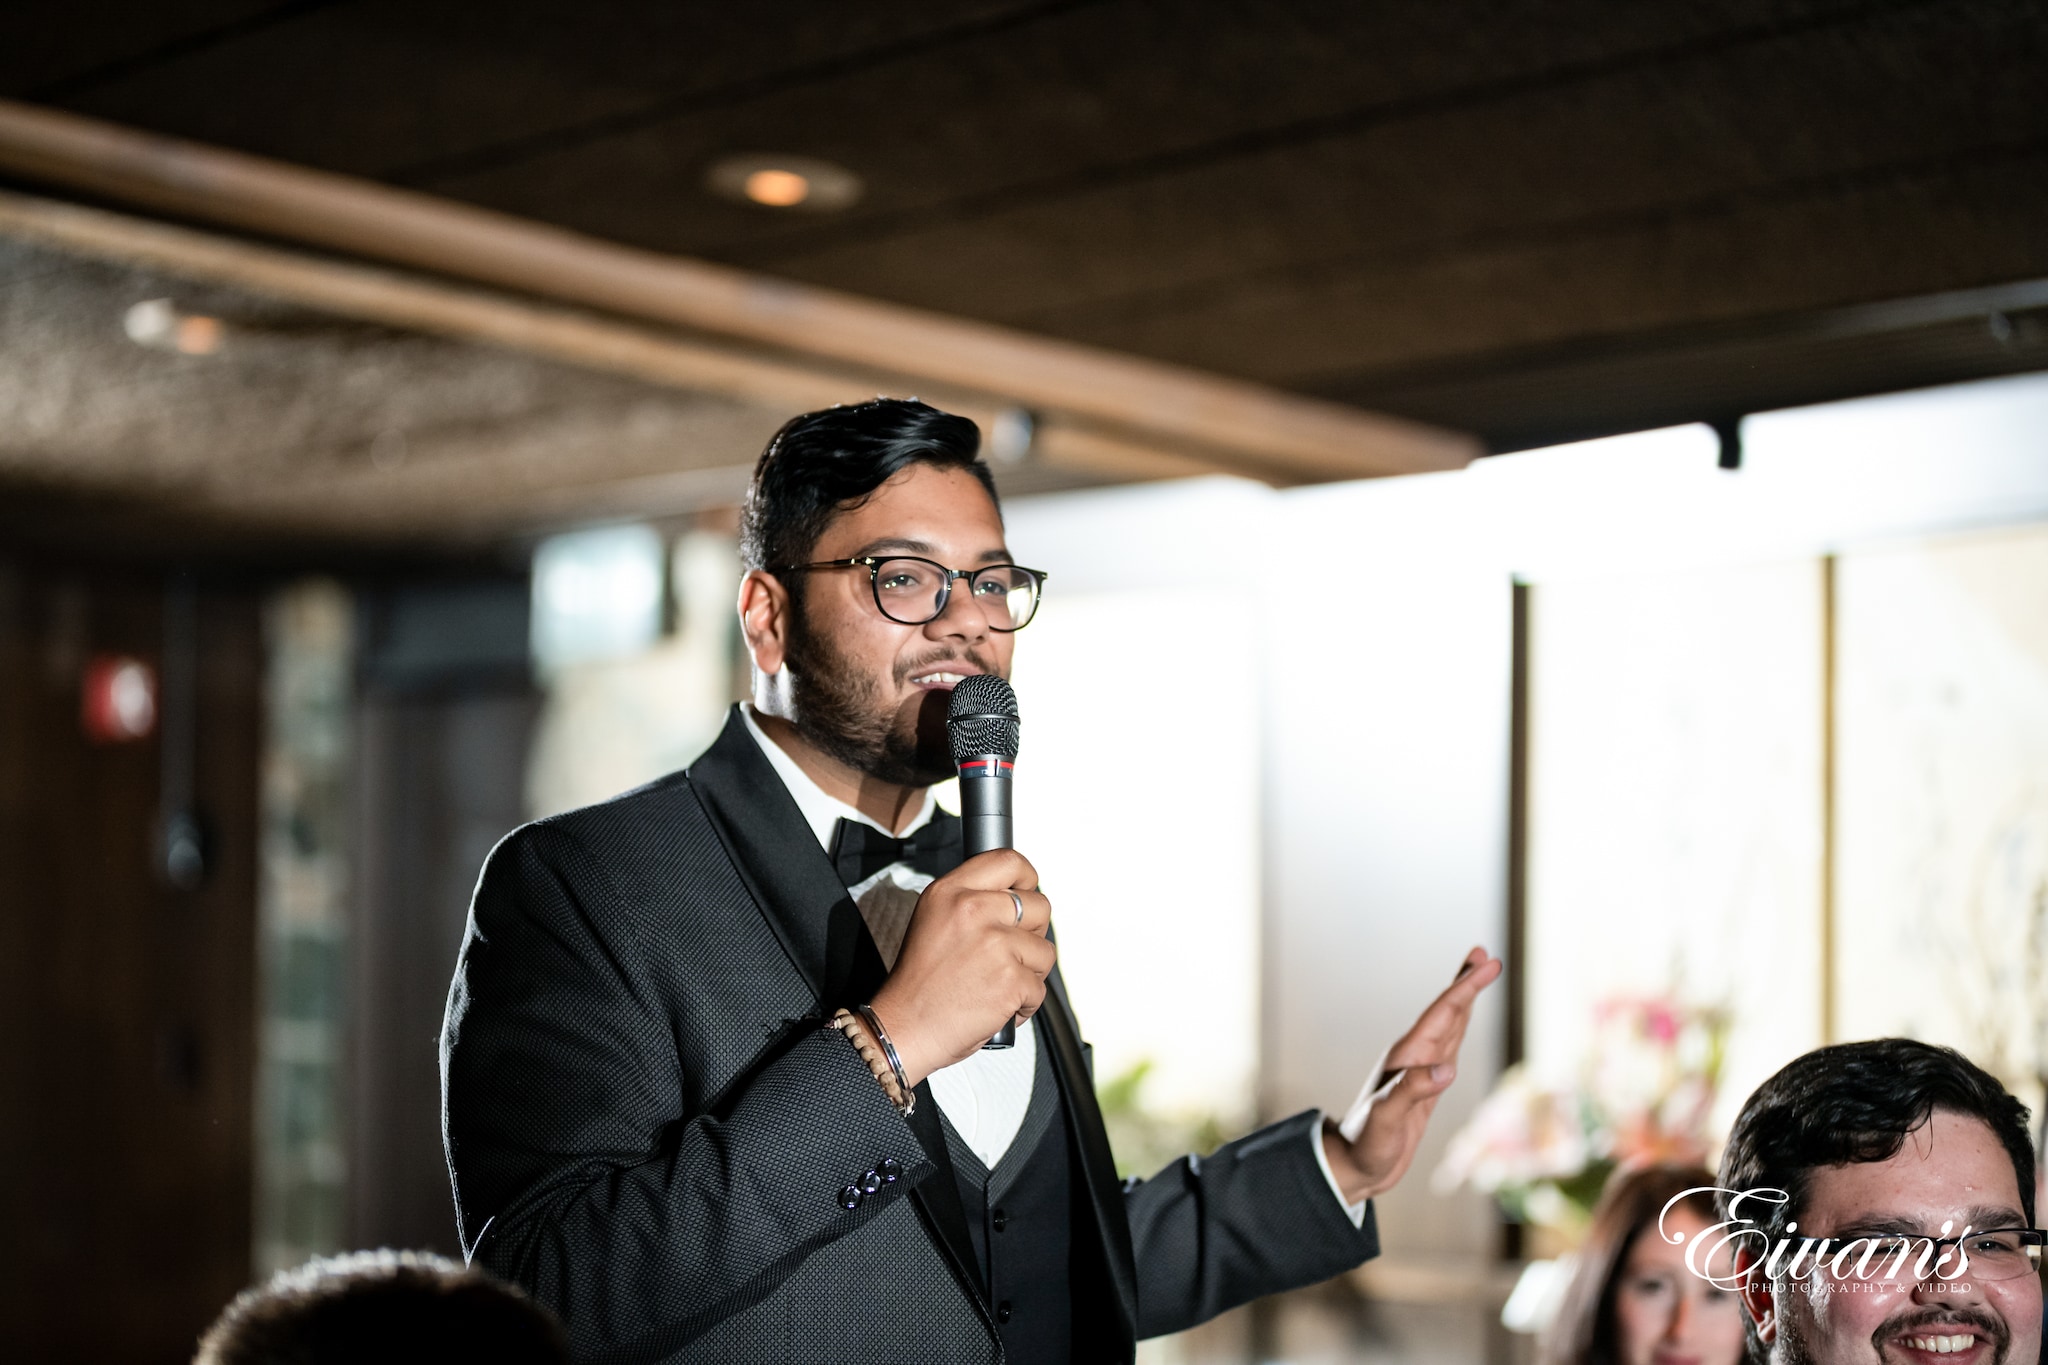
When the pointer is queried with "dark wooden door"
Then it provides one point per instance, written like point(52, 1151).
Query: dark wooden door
point(440, 778)
point(126, 1005)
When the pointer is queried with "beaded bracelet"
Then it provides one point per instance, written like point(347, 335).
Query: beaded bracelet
point(889, 1076)
point(874, 1023)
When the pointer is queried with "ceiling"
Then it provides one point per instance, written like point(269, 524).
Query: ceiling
point(360, 427)
point(1532, 221)
point(298, 424)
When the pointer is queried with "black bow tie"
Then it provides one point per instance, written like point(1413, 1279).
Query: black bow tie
point(859, 850)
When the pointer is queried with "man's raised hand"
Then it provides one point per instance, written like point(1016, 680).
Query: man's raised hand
point(1427, 1058)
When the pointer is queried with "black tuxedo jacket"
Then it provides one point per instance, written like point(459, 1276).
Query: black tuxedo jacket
point(649, 1127)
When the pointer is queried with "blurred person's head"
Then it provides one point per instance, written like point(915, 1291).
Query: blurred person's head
point(891, 477)
point(382, 1308)
point(1887, 1143)
point(1631, 1300)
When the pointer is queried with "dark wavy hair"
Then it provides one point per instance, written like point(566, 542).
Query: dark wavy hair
point(1856, 1102)
point(1584, 1330)
point(383, 1308)
point(823, 463)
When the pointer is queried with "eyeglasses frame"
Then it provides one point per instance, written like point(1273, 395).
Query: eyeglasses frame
point(873, 564)
point(2035, 1239)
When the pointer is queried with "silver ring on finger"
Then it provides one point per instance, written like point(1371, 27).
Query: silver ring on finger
point(1019, 902)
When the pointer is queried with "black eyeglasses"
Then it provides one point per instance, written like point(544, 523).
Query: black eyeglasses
point(911, 591)
point(1995, 1254)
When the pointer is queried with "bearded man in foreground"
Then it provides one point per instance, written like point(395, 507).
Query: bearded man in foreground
point(1897, 1189)
point(714, 1083)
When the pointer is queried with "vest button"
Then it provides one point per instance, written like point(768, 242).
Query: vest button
point(871, 1182)
point(1000, 1219)
point(850, 1197)
point(1003, 1311)
point(891, 1169)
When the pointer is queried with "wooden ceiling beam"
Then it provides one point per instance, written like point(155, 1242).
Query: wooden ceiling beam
point(1112, 401)
point(434, 307)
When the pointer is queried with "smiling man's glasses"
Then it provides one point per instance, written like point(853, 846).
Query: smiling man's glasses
point(911, 591)
point(1999, 1254)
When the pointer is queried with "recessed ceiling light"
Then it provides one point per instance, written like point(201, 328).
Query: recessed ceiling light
point(1010, 435)
point(778, 188)
point(157, 324)
point(774, 181)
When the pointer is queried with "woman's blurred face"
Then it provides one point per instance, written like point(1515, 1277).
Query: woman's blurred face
point(1666, 1315)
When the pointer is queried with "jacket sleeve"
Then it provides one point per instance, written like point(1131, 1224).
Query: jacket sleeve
point(1254, 1217)
point(578, 1174)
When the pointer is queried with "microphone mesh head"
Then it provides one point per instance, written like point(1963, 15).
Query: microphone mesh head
point(983, 718)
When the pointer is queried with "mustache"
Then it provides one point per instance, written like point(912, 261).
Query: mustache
point(1934, 1319)
point(910, 668)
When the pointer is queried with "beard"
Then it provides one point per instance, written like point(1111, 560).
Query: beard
point(1792, 1347)
point(841, 709)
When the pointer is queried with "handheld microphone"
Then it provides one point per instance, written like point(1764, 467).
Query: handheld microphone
point(982, 724)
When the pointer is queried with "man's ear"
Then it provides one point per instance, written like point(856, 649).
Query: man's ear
point(764, 620)
point(1758, 1299)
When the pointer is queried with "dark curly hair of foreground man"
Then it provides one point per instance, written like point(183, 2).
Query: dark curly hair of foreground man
point(383, 1308)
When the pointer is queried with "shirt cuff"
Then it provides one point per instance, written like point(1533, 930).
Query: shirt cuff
point(1355, 1212)
point(1377, 1087)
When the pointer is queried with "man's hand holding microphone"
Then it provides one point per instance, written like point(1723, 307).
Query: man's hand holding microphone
point(975, 957)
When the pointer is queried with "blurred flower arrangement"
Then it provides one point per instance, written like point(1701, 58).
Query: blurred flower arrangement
point(1143, 1137)
point(1644, 1095)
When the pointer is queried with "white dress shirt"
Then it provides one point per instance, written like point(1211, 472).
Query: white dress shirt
point(983, 1097)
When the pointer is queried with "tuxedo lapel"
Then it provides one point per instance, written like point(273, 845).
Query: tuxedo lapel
point(777, 857)
point(938, 1196)
point(799, 893)
point(1097, 1167)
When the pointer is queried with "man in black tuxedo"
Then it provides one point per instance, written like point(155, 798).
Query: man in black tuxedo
point(713, 1079)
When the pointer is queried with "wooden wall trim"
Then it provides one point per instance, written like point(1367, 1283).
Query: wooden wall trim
point(1830, 580)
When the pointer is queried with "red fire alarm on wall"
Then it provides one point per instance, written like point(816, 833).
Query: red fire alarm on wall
point(118, 700)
